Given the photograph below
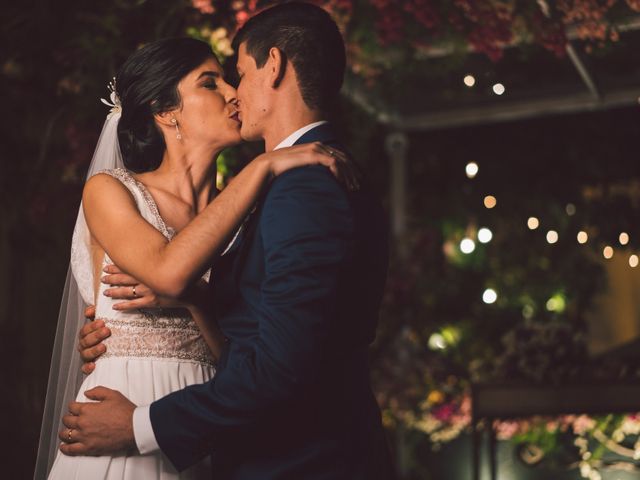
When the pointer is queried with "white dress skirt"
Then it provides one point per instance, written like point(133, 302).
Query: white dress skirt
point(150, 354)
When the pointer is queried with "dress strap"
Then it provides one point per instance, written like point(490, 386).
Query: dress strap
point(146, 204)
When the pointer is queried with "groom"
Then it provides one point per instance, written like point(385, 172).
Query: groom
point(297, 297)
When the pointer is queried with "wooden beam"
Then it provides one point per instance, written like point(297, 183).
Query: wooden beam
point(583, 71)
point(501, 110)
point(397, 144)
point(517, 401)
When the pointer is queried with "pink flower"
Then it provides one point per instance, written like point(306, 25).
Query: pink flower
point(444, 412)
point(204, 6)
point(583, 424)
point(506, 430)
point(241, 17)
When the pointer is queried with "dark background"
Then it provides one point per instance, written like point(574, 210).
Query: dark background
point(57, 58)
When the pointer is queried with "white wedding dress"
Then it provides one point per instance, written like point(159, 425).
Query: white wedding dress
point(150, 354)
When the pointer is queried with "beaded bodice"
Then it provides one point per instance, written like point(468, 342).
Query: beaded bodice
point(157, 333)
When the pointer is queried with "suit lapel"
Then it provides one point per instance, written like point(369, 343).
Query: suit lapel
point(322, 133)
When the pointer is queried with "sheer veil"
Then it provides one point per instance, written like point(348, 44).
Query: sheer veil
point(65, 376)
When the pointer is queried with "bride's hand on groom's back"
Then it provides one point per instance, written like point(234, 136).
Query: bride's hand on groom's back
point(90, 343)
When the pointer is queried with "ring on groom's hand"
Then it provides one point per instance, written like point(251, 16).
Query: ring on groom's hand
point(133, 289)
point(69, 434)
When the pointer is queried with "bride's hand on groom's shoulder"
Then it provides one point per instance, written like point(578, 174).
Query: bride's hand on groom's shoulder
point(316, 153)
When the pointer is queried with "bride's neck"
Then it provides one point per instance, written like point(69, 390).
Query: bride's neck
point(189, 176)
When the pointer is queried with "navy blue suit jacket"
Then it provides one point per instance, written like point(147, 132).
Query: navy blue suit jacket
point(298, 298)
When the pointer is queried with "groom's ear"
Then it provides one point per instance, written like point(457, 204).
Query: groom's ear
point(277, 65)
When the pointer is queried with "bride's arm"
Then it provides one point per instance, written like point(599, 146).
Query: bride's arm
point(167, 268)
point(195, 299)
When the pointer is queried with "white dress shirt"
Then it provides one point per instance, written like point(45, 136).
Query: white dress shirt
point(142, 427)
point(295, 136)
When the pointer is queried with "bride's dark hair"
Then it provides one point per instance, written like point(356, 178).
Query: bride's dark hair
point(147, 83)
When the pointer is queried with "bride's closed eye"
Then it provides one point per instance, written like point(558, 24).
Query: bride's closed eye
point(210, 85)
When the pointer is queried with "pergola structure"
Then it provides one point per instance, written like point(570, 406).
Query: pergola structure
point(533, 83)
point(536, 84)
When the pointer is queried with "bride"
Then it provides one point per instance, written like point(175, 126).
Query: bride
point(153, 171)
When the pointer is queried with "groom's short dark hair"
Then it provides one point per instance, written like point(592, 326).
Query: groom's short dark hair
point(309, 39)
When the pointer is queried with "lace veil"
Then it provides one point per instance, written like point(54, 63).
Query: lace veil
point(65, 376)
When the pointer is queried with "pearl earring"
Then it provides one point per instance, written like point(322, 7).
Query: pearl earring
point(178, 134)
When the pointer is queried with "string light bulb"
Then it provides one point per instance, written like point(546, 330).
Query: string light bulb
point(623, 238)
point(467, 245)
point(552, 236)
point(490, 201)
point(484, 235)
point(437, 342)
point(633, 261)
point(607, 252)
point(533, 223)
point(469, 80)
point(489, 296)
point(583, 237)
point(471, 169)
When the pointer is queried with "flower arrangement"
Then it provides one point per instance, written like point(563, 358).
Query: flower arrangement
point(383, 33)
point(537, 352)
point(591, 438)
point(443, 418)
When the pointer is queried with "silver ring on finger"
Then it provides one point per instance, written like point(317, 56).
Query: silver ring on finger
point(133, 290)
point(69, 434)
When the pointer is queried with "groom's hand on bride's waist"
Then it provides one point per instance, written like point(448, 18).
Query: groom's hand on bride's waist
point(90, 343)
point(101, 427)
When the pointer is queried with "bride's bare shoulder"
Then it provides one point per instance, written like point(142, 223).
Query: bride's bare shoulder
point(107, 186)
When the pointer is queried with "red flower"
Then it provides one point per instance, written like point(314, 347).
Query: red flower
point(444, 412)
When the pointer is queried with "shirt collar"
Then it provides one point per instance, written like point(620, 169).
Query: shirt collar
point(293, 138)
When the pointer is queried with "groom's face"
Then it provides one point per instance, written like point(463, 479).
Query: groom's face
point(254, 95)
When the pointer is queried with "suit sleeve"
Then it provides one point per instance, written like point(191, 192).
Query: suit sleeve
point(306, 227)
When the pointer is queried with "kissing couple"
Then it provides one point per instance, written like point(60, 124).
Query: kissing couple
point(231, 328)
